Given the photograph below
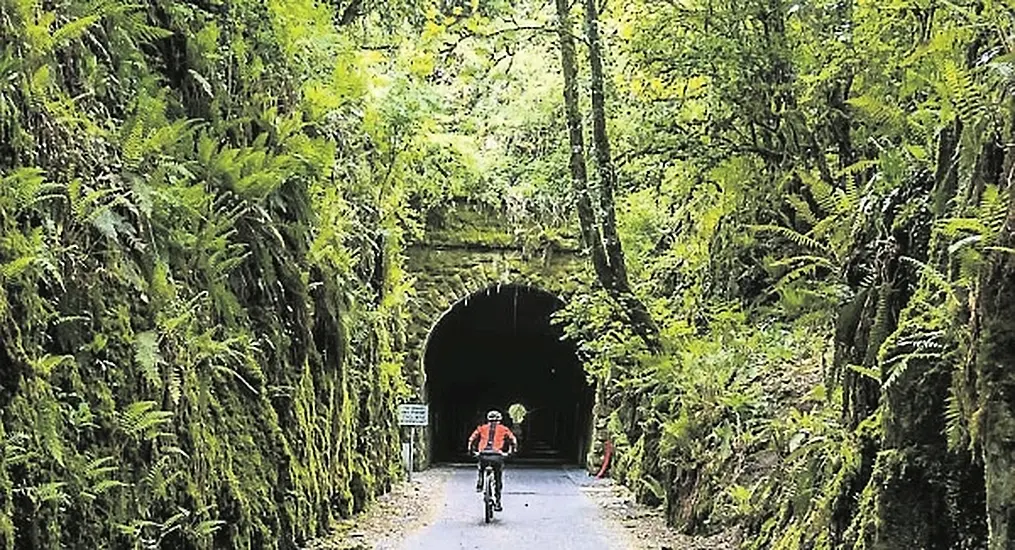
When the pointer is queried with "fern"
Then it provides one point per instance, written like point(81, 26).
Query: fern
point(207, 528)
point(858, 167)
point(73, 29)
point(955, 428)
point(133, 147)
point(1001, 249)
point(826, 196)
point(802, 209)
point(99, 467)
point(956, 227)
point(994, 210)
point(878, 111)
point(16, 449)
point(45, 365)
point(805, 259)
point(141, 420)
point(174, 384)
point(969, 101)
point(934, 277)
point(160, 476)
point(51, 492)
point(796, 237)
point(900, 365)
point(873, 374)
point(653, 486)
point(19, 188)
point(957, 246)
point(97, 472)
point(148, 358)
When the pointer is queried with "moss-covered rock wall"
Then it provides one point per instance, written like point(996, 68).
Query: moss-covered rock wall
point(199, 330)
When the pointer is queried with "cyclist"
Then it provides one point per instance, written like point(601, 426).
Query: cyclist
point(490, 440)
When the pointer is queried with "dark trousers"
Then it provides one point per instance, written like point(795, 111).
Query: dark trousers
point(495, 461)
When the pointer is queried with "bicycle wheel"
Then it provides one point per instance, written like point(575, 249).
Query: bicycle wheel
point(488, 496)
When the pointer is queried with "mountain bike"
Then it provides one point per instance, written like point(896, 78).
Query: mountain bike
point(489, 498)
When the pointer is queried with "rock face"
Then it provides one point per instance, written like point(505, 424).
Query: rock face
point(188, 356)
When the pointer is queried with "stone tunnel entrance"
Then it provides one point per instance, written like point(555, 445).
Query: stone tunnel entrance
point(498, 347)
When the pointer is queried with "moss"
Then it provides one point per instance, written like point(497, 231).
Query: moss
point(445, 276)
point(994, 429)
point(6, 496)
point(192, 341)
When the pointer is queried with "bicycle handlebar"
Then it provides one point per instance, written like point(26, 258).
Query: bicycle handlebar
point(476, 454)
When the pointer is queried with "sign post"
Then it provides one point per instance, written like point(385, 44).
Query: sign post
point(412, 415)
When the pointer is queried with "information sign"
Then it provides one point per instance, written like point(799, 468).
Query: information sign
point(412, 415)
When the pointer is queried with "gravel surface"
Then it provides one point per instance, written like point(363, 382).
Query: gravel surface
point(644, 528)
point(392, 517)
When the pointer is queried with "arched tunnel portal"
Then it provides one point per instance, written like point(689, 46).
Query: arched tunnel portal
point(498, 347)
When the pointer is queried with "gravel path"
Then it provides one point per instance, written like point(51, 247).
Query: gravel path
point(389, 520)
point(543, 508)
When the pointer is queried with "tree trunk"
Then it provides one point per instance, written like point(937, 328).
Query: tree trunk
point(601, 147)
point(995, 369)
point(641, 319)
point(579, 175)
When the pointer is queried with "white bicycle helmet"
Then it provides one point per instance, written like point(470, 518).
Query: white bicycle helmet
point(494, 415)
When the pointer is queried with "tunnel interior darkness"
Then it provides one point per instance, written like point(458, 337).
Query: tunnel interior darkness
point(496, 348)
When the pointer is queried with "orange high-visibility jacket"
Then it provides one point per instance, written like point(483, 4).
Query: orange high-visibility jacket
point(500, 434)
